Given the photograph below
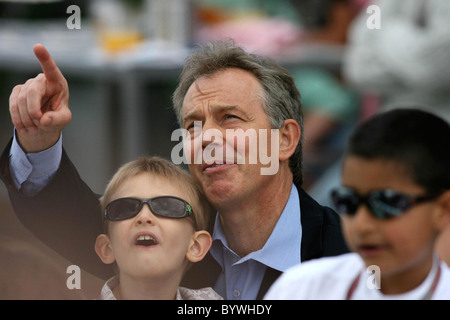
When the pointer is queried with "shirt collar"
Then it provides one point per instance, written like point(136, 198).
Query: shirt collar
point(182, 293)
point(282, 249)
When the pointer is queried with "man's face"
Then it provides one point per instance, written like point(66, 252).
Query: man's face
point(228, 101)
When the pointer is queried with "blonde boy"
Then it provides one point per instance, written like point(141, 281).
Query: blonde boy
point(155, 219)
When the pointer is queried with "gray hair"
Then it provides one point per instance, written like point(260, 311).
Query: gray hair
point(281, 98)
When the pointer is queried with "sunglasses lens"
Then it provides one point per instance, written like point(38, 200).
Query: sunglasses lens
point(122, 209)
point(169, 207)
point(388, 203)
point(383, 204)
point(345, 200)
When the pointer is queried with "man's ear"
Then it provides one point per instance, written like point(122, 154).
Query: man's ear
point(290, 135)
point(104, 250)
point(200, 244)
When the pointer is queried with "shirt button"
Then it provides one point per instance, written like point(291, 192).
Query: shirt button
point(236, 293)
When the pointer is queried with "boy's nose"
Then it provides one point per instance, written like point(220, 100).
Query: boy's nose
point(145, 216)
point(364, 220)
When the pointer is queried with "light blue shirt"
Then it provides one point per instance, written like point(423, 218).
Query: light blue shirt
point(30, 172)
point(241, 277)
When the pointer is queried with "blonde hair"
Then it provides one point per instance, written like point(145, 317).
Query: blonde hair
point(169, 171)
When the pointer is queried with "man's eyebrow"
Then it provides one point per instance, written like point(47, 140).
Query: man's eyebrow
point(196, 114)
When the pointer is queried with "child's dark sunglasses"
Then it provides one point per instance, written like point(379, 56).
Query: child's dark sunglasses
point(163, 206)
point(383, 204)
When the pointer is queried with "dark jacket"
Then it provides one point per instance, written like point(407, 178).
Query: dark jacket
point(66, 216)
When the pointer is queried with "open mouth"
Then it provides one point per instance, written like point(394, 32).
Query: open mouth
point(146, 241)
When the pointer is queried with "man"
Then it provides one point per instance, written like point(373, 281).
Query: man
point(265, 223)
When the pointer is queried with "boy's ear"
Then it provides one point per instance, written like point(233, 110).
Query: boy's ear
point(104, 250)
point(443, 218)
point(200, 244)
point(290, 135)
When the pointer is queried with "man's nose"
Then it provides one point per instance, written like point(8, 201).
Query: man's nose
point(212, 132)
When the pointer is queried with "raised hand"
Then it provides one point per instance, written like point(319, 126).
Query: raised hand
point(39, 108)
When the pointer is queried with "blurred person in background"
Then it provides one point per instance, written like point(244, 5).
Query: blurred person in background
point(407, 60)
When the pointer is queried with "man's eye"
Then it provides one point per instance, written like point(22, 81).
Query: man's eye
point(230, 116)
point(194, 124)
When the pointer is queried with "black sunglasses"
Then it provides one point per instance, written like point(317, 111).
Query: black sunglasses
point(383, 204)
point(163, 206)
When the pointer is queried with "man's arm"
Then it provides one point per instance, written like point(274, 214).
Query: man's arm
point(64, 213)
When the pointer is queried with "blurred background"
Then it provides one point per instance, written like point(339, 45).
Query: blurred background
point(122, 59)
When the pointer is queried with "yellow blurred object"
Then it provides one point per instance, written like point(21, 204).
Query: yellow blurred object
point(116, 41)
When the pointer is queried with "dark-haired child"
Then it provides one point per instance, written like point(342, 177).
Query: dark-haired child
point(395, 201)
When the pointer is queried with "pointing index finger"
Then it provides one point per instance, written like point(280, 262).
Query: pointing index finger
point(51, 70)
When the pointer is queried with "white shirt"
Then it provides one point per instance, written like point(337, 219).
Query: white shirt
point(330, 278)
